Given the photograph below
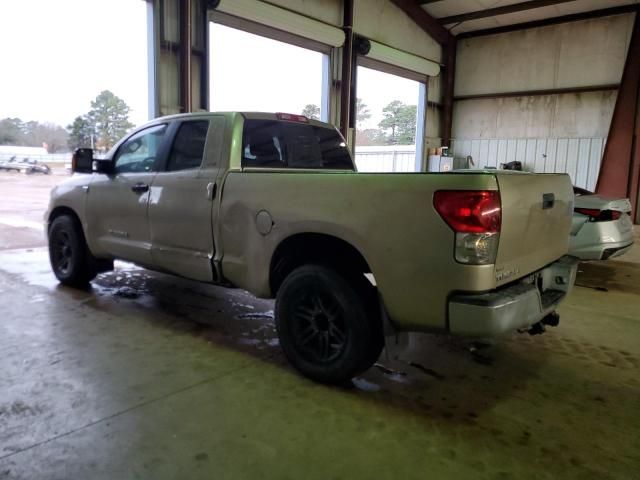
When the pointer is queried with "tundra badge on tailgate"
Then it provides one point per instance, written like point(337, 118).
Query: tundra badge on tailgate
point(505, 274)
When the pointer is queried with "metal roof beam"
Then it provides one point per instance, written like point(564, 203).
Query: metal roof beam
point(574, 17)
point(504, 10)
point(424, 20)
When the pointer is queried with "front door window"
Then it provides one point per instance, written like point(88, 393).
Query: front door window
point(140, 153)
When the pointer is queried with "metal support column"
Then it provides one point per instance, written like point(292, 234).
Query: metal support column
point(178, 56)
point(448, 87)
point(185, 55)
point(346, 82)
point(620, 170)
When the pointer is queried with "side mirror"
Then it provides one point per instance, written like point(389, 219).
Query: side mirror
point(103, 166)
point(82, 161)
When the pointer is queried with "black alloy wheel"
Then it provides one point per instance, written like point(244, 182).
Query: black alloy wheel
point(327, 325)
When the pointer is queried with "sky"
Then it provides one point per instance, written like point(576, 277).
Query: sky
point(249, 72)
point(57, 56)
point(266, 75)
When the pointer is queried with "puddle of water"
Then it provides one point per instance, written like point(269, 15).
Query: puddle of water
point(249, 341)
point(127, 292)
point(125, 266)
point(21, 223)
point(395, 375)
point(242, 305)
point(256, 315)
point(365, 385)
point(32, 265)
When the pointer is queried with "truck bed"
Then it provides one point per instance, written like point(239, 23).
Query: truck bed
point(390, 219)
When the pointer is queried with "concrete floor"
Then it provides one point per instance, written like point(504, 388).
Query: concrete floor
point(150, 376)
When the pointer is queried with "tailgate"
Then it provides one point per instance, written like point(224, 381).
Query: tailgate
point(536, 220)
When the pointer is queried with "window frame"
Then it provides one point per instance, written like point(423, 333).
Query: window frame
point(160, 152)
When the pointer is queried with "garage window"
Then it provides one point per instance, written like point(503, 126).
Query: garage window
point(253, 73)
point(390, 111)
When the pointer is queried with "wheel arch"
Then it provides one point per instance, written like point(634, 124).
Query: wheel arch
point(63, 210)
point(319, 248)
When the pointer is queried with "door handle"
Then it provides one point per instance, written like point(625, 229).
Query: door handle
point(211, 190)
point(140, 188)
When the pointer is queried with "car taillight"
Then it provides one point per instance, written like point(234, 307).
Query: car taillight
point(476, 218)
point(470, 211)
point(596, 215)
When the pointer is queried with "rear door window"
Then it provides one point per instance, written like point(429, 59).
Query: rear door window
point(188, 146)
point(277, 144)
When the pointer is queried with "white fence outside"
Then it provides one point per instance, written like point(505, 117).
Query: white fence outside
point(388, 158)
point(579, 157)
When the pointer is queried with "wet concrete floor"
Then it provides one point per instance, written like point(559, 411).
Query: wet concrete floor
point(149, 376)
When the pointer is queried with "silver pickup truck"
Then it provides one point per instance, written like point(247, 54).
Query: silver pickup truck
point(272, 203)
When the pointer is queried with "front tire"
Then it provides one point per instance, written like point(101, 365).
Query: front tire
point(325, 325)
point(71, 261)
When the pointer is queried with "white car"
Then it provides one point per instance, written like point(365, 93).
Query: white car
point(601, 228)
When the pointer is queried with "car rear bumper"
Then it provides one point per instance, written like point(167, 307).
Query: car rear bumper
point(602, 240)
point(602, 251)
point(513, 307)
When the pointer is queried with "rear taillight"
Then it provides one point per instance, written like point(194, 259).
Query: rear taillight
point(470, 211)
point(476, 218)
point(596, 215)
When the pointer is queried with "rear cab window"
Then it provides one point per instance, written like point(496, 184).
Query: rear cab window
point(283, 144)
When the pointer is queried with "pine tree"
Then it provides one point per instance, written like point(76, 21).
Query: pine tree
point(401, 120)
point(109, 117)
point(311, 111)
point(80, 133)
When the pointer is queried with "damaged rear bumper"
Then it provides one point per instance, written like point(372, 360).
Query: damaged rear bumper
point(513, 307)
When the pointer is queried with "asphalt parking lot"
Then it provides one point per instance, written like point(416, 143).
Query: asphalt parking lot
point(150, 376)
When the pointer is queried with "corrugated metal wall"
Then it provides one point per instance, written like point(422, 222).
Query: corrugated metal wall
point(579, 157)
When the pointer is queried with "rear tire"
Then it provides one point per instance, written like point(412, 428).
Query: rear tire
point(326, 325)
point(71, 261)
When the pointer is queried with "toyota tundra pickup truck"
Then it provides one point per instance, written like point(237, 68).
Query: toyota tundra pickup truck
point(273, 203)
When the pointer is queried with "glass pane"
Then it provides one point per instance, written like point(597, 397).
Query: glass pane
point(252, 73)
point(386, 122)
point(294, 145)
point(188, 146)
point(140, 152)
point(171, 17)
point(262, 145)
